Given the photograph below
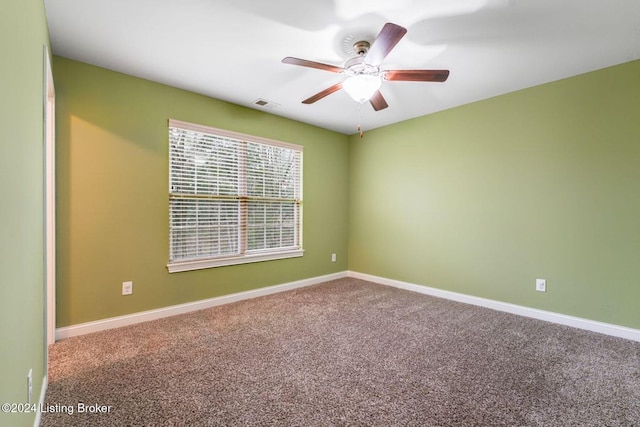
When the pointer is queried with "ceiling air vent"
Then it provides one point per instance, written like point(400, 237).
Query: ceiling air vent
point(265, 104)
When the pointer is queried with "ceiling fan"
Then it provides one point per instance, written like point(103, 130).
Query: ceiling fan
point(364, 76)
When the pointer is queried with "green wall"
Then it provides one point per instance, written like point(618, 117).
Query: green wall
point(485, 198)
point(112, 195)
point(481, 199)
point(23, 33)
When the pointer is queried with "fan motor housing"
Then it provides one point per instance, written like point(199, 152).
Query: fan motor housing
point(357, 65)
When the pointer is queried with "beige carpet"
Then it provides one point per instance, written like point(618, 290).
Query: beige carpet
point(345, 352)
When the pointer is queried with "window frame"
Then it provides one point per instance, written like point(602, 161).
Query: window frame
point(244, 254)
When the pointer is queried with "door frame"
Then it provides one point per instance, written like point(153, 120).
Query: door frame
point(50, 199)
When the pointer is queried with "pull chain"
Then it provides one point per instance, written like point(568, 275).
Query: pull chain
point(360, 120)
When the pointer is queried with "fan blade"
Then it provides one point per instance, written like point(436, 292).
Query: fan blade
point(417, 75)
point(378, 102)
point(388, 37)
point(318, 96)
point(312, 64)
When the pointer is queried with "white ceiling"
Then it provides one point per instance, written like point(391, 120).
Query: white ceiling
point(232, 49)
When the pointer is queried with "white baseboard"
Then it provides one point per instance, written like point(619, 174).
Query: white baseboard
point(43, 393)
point(144, 316)
point(562, 319)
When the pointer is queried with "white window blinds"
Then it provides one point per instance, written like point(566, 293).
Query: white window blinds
point(233, 198)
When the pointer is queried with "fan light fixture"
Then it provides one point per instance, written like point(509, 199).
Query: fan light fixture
point(361, 87)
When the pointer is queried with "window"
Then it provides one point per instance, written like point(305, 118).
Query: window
point(233, 198)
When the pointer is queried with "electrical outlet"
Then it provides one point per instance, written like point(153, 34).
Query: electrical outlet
point(333, 258)
point(29, 386)
point(541, 285)
point(127, 288)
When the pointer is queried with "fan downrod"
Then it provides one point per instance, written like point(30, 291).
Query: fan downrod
point(361, 48)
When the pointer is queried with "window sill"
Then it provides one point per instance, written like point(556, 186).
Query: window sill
point(199, 264)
